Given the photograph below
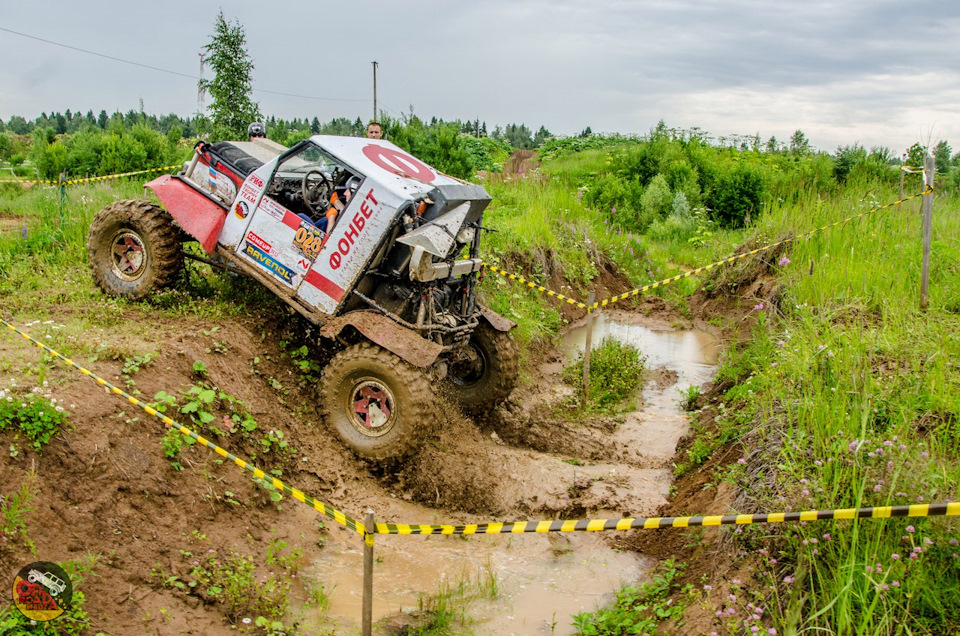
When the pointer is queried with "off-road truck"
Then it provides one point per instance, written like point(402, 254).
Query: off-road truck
point(377, 248)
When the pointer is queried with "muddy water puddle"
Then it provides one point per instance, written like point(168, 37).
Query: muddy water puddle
point(542, 580)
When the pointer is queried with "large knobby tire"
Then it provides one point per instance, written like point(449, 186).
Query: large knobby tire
point(377, 404)
point(484, 377)
point(134, 249)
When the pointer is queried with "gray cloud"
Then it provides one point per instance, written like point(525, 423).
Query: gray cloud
point(877, 72)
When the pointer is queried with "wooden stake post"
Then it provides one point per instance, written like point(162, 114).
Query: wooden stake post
point(927, 209)
point(586, 352)
point(367, 618)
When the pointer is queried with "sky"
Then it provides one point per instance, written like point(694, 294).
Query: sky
point(873, 72)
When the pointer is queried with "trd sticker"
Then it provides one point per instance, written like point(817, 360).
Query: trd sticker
point(308, 240)
point(268, 262)
point(259, 242)
point(241, 209)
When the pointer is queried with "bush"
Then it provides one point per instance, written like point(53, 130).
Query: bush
point(738, 193)
point(616, 373)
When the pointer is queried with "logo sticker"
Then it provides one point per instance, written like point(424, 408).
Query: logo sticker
point(259, 242)
point(241, 209)
point(42, 591)
point(268, 262)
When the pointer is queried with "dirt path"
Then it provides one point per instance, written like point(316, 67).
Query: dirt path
point(104, 488)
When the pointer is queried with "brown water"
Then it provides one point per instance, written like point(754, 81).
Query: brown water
point(542, 580)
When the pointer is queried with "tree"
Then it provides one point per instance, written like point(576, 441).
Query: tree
point(799, 144)
point(233, 108)
point(941, 155)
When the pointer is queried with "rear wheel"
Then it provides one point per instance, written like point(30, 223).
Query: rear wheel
point(484, 373)
point(376, 403)
point(134, 249)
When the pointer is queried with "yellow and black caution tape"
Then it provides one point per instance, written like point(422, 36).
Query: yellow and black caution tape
point(103, 178)
point(533, 285)
point(652, 523)
point(299, 495)
point(765, 248)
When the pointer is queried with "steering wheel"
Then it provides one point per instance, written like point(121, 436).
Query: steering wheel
point(316, 188)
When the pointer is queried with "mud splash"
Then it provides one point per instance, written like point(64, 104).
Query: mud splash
point(543, 580)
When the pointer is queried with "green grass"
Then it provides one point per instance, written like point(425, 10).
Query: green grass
point(853, 399)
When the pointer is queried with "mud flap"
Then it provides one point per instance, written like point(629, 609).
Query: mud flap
point(196, 213)
point(396, 339)
point(496, 321)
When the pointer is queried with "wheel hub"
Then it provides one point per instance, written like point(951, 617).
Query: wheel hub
point(468, 367)
point(373, 411)
point(129, 257)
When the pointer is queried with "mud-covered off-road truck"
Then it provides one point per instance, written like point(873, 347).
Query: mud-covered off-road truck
point(377, 248)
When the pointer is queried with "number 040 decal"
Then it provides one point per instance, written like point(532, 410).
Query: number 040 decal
point(399, 163)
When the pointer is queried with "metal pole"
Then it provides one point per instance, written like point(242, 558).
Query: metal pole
point(375, 91)
point(927, 207)
point(368, 573)
point(586, 351)
point(902, 211)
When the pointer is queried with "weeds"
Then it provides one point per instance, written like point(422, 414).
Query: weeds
point(640, 609)
point(14, 508)
point(36, 414)
point(616, 373)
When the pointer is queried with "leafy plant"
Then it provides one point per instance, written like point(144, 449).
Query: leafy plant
point(638, 609)
point(616, 373)
point(38, 417)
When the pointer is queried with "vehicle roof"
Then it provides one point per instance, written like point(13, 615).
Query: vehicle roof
point(390, 166)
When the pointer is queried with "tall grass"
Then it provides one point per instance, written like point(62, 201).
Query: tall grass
point(851, 396)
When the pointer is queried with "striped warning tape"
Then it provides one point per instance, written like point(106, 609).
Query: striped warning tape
point(299, 495)
point(533, 285)
point(650, 523)
point(103, 178)
point(765, 248)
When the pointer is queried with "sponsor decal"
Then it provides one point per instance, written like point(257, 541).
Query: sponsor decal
point(354, 230)
point(272, 208)
point(241, 209)
point(42, 591)
point(268, 262)
point(399, 163)
point(308, 240)
point(259, 242)
point(257, 181)
point(249, 193)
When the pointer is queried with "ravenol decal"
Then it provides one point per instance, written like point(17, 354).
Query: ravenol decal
point(268, 262)
point(357, 224)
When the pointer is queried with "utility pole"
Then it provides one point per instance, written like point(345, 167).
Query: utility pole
point(374, 91)
point(200, 91)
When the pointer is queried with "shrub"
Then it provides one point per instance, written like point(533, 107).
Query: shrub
point(738, 193)
point(616, 373)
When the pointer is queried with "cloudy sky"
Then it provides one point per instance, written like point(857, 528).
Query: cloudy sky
point(877, 72)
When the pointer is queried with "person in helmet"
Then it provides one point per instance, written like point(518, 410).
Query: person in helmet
point(256, 129)
point(339, 200)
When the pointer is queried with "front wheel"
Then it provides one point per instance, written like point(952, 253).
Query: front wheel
point(483, 373)
point(376, 403)
point(134, 249)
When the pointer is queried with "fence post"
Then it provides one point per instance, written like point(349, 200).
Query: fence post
point(927, 208)
point(368, 527)
point(586, 351)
